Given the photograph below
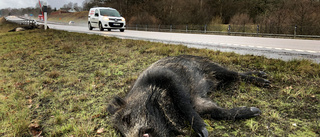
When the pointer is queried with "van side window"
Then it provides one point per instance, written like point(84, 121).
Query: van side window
point(96, 13)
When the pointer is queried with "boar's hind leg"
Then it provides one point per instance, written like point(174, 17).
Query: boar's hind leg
point(249, 77)
point(205, 107)
point(260, 74)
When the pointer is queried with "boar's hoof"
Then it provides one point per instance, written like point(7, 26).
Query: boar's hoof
point(255, 111)
point(263, 83)
point(245, 112)
point(266, 83)
point(262, 74)
point(204, 133)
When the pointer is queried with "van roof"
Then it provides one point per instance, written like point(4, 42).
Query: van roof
point(102, 8)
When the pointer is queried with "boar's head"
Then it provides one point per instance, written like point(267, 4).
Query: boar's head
point(145, 115)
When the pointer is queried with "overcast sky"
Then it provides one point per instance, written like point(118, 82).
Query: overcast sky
point(32, 3)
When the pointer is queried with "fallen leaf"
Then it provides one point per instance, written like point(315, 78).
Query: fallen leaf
point(30, 101)
point(35, 129)
point(100, 130)
point(2, 97)
point(95, 116)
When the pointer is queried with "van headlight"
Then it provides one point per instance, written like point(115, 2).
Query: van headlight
point(105, 18)
point(123, 19)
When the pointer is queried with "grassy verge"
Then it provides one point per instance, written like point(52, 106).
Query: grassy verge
point(79, 18)
point(57, 83)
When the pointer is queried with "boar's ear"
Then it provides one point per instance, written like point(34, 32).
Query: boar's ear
point(116, 104)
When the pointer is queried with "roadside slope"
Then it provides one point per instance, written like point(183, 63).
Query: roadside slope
point(57, 83)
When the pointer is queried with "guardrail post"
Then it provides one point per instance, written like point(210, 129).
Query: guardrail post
point(186, 28)
point(229, 29)
point(258, 29)
point(45, 9)
point(295, 31)
point(146, 27)
point(205, 28)
point(136, 26)
point(170, 28)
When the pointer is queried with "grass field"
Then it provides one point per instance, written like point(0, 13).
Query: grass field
point(57, 83)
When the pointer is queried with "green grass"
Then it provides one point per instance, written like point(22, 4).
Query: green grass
point(59, 83)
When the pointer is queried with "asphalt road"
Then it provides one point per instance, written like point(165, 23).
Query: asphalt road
point(284, 49)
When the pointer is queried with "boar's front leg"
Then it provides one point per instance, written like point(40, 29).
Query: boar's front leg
point(183, 103)
point(168, 81)
point(205, 107)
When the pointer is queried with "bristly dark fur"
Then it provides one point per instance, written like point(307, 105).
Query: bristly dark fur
point(172, 93)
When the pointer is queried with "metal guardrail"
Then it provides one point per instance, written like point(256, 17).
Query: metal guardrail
point(23, 21)
point(208, 30)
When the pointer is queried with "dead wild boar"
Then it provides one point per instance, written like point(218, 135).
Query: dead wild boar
point(172, 94)
point(28, 27)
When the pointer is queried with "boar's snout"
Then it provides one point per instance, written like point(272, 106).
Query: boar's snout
point(146, 132)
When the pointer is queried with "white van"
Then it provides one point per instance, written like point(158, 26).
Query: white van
point(105, 18)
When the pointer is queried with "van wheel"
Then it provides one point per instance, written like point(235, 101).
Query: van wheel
point(109, 29)
point(100, 27)
point(121, 30)
point(89, 26)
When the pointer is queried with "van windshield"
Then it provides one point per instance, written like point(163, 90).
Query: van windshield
point(109, 12)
